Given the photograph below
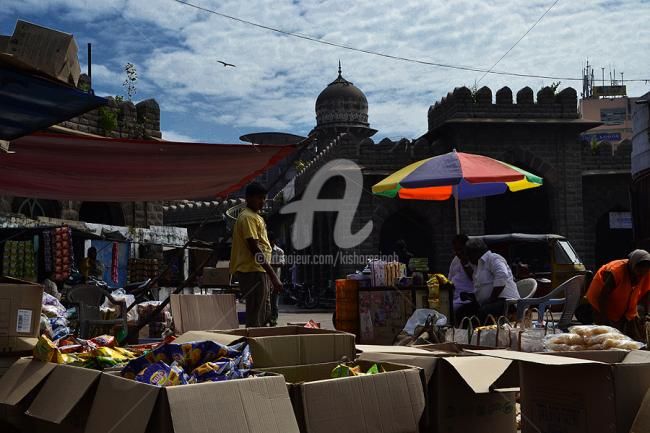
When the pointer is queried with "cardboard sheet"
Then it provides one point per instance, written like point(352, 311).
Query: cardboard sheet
point(21, 378)
point(121, 405)
point(64, 388)
point(391, 402)
point(642, 420)
point(286, 345)
point(204, 312)
point(261, 405)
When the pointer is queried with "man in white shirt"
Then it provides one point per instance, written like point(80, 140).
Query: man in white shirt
point(493, 282)
point(460, 271)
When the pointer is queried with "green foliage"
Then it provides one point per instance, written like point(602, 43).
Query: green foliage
point(107, 119)
point(595, 146)
point(555, 85)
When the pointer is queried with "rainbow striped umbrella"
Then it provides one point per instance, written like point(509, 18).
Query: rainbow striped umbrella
point(457, 174)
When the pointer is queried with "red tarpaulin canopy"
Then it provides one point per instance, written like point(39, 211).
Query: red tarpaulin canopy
point(101, 169)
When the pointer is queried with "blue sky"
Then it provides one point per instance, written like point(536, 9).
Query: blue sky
point(175, 49)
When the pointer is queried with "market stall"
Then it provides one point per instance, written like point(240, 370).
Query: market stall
point(376, 304)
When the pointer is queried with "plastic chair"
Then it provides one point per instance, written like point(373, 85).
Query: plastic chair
point(526, 288)
point(572, 292)
point(88, 300)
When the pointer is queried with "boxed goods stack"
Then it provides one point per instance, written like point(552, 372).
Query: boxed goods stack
point(142, 269)
point(60, 242)
point(19, 260)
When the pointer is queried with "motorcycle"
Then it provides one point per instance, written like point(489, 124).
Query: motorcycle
point(303, 295)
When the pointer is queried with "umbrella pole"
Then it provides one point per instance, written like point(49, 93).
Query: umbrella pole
point(457, 214)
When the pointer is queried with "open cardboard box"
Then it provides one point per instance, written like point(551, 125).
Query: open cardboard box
point(253, 405)
point(201, 312)
point(284, 345)
point(19, 387)
point(52, 52)
point(464, 393)
point(390, 402)
point(581, 392)
point(642, 420)
point(64, 400)
point(20, 314)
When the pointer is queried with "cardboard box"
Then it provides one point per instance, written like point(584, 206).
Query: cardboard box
point(587, 392)
point(18, 388)
point(254, 405)
point(204, 312)
point(52, 52)
point(20, 314)
point(217, 276)
point(391, 402)
point(284, 345)
point(64, 401)
point(642, 420)
point(464, 393)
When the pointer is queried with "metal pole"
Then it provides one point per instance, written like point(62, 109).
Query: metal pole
point(90, 65)
point(456, 205)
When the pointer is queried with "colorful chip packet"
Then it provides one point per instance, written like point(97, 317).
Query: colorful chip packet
point(188, 363)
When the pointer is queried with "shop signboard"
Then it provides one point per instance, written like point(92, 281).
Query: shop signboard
point(603, 136)
point(613, 116)
point(620, 220)
point(604, 91)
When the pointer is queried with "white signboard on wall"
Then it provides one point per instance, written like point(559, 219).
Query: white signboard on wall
point(620, 220)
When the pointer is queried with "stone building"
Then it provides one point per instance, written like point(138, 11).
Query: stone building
point(539, 133)
point(581, 185)
point(120, 119)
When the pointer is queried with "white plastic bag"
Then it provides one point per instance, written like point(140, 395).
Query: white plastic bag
point(461, 335)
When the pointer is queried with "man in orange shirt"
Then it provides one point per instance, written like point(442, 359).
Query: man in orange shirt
point(617, 288)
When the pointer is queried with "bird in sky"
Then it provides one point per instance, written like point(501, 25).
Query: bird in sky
point(226, 64)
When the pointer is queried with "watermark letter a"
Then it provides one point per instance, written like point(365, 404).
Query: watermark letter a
point(303, 227)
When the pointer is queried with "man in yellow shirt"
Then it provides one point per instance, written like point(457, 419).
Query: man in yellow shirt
point(250, 257)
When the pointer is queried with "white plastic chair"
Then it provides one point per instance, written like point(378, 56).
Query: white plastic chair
point(526, 288)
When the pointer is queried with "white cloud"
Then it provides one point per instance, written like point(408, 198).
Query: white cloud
point(278, 78)
point(177, 136)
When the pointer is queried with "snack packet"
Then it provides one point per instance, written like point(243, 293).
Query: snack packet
point(45, 350)
point(161, 374)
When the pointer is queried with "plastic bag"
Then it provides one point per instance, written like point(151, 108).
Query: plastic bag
point(53, 305)
point(121, 295)
point(592, 330)
point(462, 335)
point(492, 336)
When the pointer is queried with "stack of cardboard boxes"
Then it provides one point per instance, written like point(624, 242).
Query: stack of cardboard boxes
point(434, 388)
point(46, 397)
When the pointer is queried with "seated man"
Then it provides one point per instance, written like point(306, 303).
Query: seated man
point(493, 283)
point(460, 273)
point(91, 267)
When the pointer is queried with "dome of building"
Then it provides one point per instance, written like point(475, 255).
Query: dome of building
point(341, 104)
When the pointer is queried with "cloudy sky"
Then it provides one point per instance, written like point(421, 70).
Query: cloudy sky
point(277, 79)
